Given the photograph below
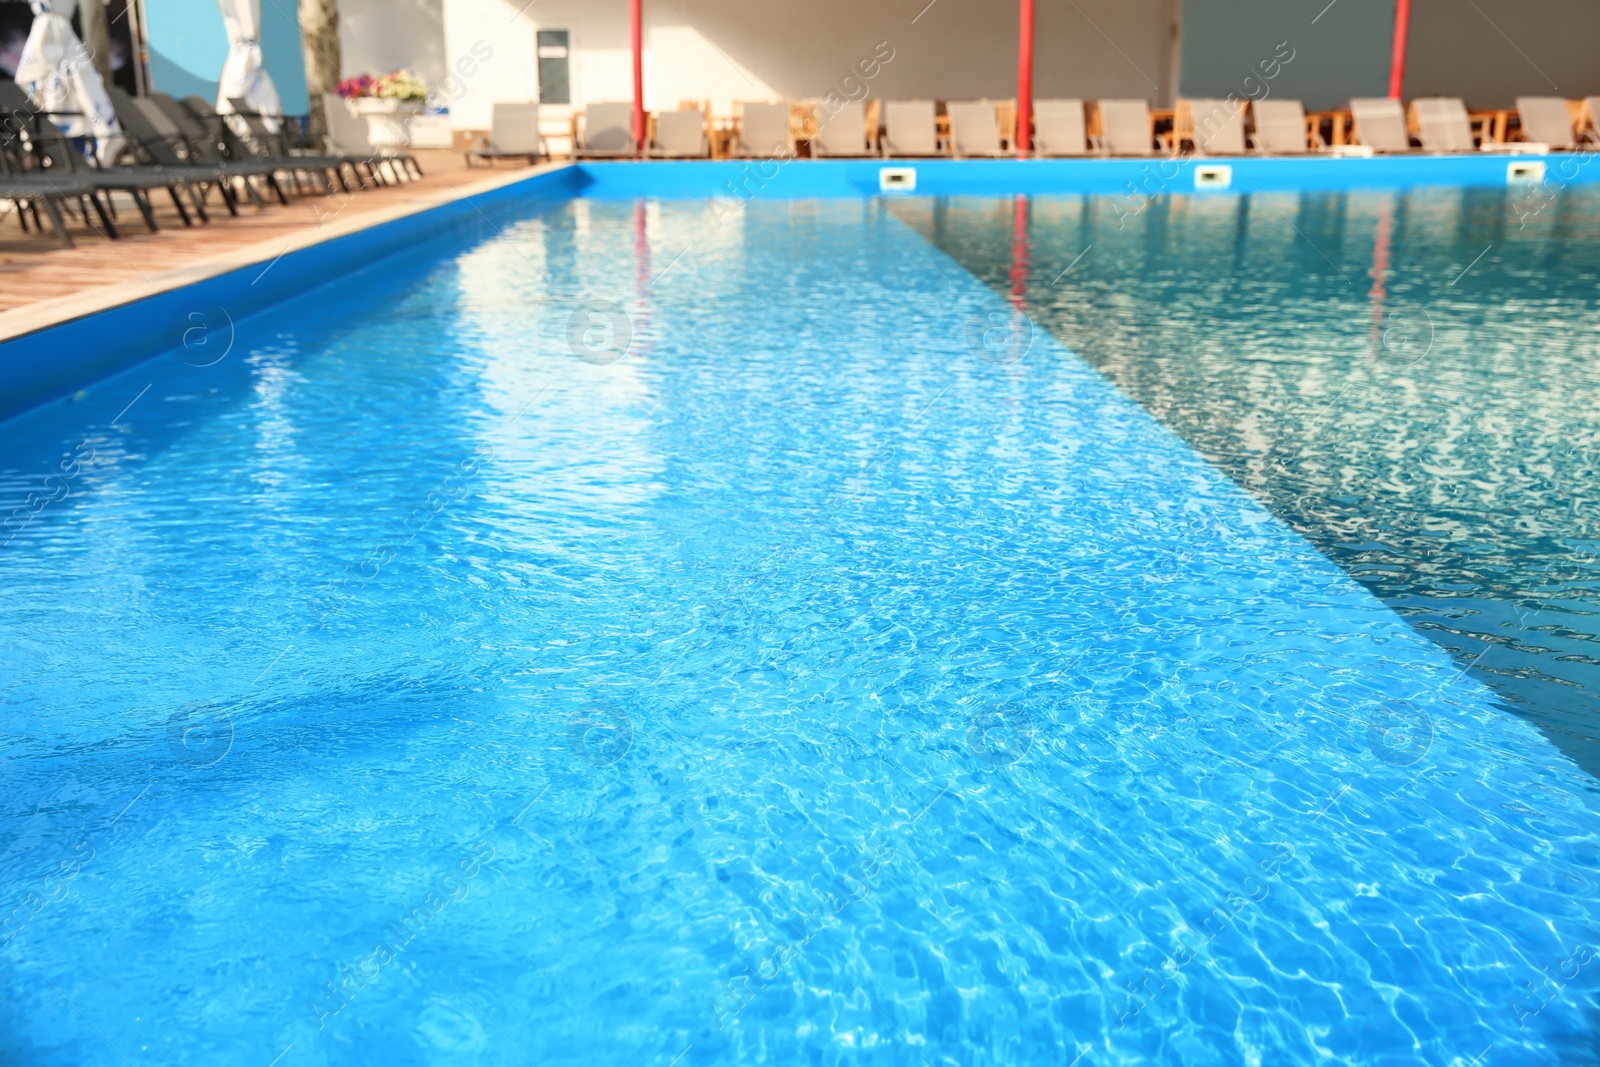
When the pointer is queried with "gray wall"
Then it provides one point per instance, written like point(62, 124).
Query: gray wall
point(1487, 51)
point(1344, 53)
point(1462, 49)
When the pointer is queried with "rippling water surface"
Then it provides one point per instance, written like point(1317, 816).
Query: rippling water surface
point(1411, 380)
point(814, 682)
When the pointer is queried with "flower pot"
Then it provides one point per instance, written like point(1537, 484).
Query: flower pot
point(388, 121)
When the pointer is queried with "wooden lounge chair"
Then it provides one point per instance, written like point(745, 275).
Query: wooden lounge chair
point(1059, 128)
point(1380, 124)
point(910, 129)
point(680, 135)
point(1281, 128)
point(844, 133)
point(1122, 128)
point(975, 129)
point(513, 134)
point(607, 132)
point(1441, 123)
point(1547, 119)
point(764, 132)
point(1215, 127)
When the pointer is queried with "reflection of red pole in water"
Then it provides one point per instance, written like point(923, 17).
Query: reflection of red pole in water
point(1380, 267)
point(641, 258)
point(1019, 253)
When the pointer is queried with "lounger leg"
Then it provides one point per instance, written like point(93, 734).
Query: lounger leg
point(177, 202)
point(54, 211)
point(142, 199)
point(83, 209)
point(229, 199)
point(277, 187)
point(100, 209)
point(222, 190)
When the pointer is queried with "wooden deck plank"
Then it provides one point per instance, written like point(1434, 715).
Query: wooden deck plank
point(41, 282)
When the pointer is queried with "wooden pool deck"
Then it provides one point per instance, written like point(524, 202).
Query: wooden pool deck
point(42, 283)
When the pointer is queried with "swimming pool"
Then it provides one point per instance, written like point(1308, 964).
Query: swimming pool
point(643, 636)
point(1406, 378)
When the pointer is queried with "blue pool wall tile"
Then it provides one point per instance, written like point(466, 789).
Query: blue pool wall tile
point(1142, 177)
point(55, 362)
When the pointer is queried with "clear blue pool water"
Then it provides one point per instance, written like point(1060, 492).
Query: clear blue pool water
point(1407, 379)
point(814, 682)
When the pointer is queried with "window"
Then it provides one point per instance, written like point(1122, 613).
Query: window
point(554, 87)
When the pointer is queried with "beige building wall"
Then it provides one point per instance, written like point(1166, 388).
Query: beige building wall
point(729, 50)
point(376, 36)
point(478, 51)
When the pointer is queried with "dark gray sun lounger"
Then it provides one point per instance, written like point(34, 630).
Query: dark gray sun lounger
point(158, 144)
point(268, 146)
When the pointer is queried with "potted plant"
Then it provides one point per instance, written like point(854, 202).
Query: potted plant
point(389, 102)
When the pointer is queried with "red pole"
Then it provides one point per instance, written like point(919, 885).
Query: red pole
point(1397, 64)
point(635, 23)
point(1024, 137)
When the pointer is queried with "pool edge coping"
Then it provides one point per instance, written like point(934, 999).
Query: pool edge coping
point(56, 311)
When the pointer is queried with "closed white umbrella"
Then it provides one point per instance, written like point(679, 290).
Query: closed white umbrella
point(57, 73)
point(244, 75)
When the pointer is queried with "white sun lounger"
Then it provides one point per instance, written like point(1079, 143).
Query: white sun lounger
point(843, 133)
point(1547, 119)
point(1280, 127)
point(513, 134)
point(1058, 128)
point(1442, 125)
point(910, 129)
point(974, 128)
point(1589, 121)
point(1125, 127)
point(1380, 124)
point(764, 131)
point(1215, 126)
point(680, 135)
point(607, 130)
